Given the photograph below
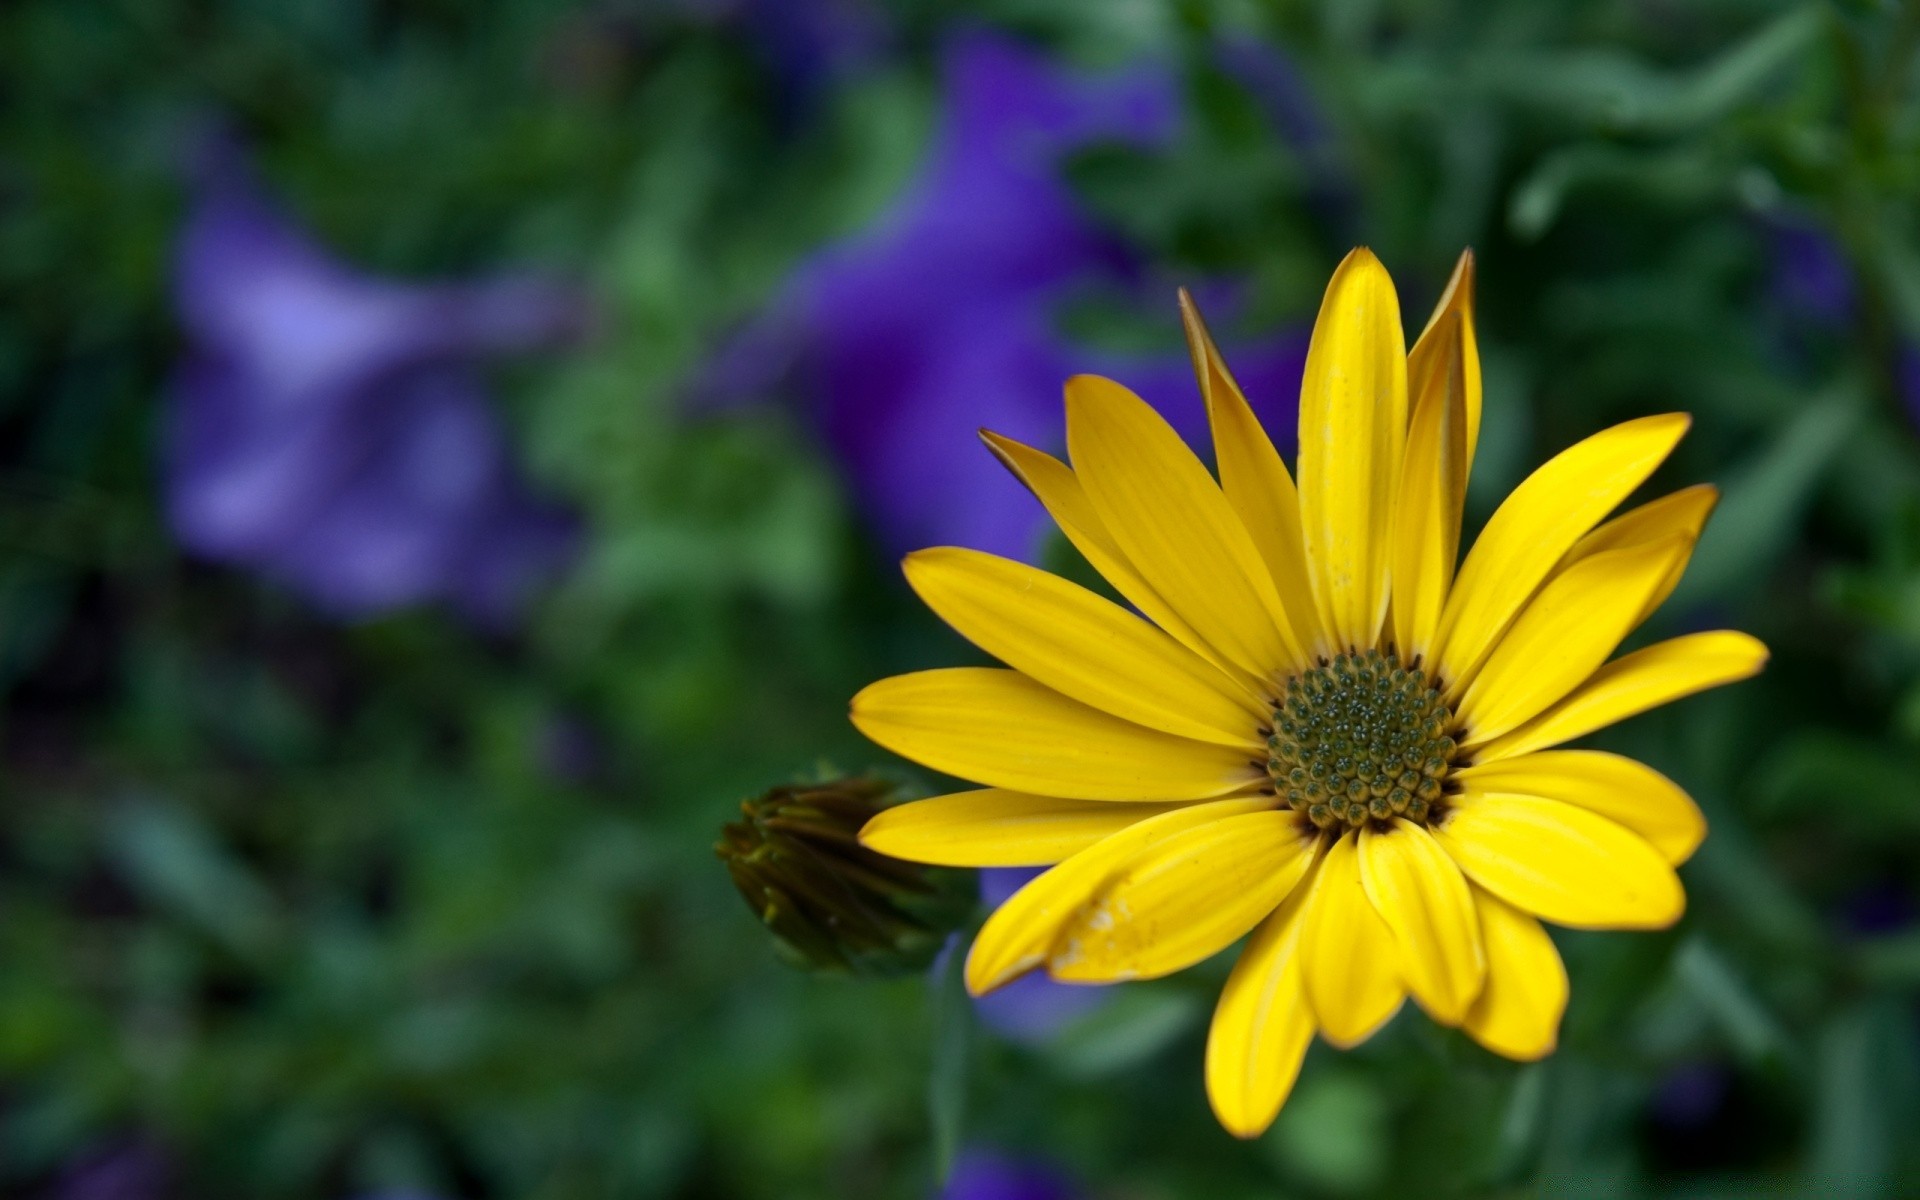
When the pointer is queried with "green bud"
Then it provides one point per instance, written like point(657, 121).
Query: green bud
point(831, 903)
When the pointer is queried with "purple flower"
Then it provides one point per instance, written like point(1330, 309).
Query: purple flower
point(1906, 374)
point(984, 1175)
point(1809, 280)
point(945, 315)
point(331, 430)
point(807, 44)
point(130, 1171)
point(1877, 909)
point(1704, 1115)
point(1032, 1008)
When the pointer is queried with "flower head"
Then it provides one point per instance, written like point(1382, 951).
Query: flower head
point(1314, 731)
point(331, 430)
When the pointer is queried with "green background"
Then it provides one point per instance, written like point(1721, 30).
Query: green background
point(304, 906)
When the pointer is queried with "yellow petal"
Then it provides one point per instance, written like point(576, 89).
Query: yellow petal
point(1021, 932)
point(1563, 636)
point(996, 828)
point(1424, 900)
point(1560, 863)
point(1683, 513)
point(1536, 526)
point(1185, 899)
point(1456, 301)
point(1163, 509)
point(1083, 646)
point(1632, 684)
point(1352, 968)
point(1518, 1013)
point(1255, 479)
point(1353, 429)
point(1261, 1027)
point(1054, 484)
point(1620, 789)
point(1433, 485)
point(1002, 729)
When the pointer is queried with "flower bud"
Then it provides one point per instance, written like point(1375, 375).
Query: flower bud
point(831, 903)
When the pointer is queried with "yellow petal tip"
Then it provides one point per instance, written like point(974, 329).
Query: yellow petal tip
point(1244, 1131)
point(983, 977)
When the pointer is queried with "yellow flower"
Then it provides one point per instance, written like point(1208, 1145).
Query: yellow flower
point(1319, 734)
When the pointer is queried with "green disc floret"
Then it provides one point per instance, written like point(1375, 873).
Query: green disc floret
point(1360, 738)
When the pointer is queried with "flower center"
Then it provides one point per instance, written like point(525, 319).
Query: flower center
point(1360, 738)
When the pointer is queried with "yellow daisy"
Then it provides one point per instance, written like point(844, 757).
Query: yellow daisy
point(1314, 731)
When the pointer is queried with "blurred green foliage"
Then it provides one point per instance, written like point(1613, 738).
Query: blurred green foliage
point(321, 909)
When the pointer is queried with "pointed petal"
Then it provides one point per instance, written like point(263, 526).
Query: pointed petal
point(1683, 513)
point(1533, 530)
point(1166, 513)
point(1425, 901)
point(1002, 729)
point(1563, 636)
point(992, 827)
point(1185, 899)
point(1632, 684)
point(1457, 302)
point(1352, 966)
point(1560, 863)
point(1619, 789)
point(1058, 489)
point(1021, 933)
point(1353, 429)
point(1255, 480)
point(1518, 1013)
point(1261, 1027)
point(1433, 486)
point(1083, 646)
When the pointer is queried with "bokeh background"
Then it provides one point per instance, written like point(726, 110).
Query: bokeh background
point(452, 453)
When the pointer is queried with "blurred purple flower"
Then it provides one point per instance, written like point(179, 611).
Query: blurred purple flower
point(331, 430)
point(1033, 1007)
point(804, 45)
point(807, 44)
point(1690, 1096)
point(944, 316)
point(1705, 1115)
point(1876, 909)
point(1906, 372)
point(985, 1175)
point(130, 1171)
point(1809, 279)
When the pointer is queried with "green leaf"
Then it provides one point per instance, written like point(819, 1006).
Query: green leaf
point(1334, 1131)
point(947, 1081)
point(1723, 85)
point(1133, 1025)
point(183, 866)
point(1681, 178)
point(1843, 777)
point(1863, 1100)
point(1765, 499)
point(1522, 1124)
point(1754, 1032)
